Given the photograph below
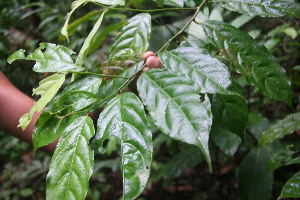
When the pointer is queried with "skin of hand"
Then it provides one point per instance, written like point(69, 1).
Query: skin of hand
point(13, 105)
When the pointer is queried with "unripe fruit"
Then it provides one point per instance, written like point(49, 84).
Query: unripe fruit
point(153, 62)
point(147, 55)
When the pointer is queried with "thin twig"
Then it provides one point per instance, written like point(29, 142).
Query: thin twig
point(183, 28)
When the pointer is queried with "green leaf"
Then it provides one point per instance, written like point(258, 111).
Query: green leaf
point(124, 117)
point(174, 3)
point(263, 8)
point(230, 112)
point(283, 157)
point(252, 59)
point(108, 88)
point(48, 128)
point(72, 162)
point(20, 54)
point(47, 89)
point(110, 2)
point(74, 6)
point(227, 141)
point(87, 43)
point(49, 58)
point(133, 39)
point(281, 128)
point(174, 104)
point(196, 64)
point(255, 180)
point(291, 187)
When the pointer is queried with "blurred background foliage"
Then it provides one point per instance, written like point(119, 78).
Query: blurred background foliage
point(178, 171)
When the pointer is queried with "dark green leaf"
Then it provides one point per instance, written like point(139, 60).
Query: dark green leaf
point(257, 124)
point(174, 104)
point(72, 162)
point(252, 59)
point(227, 141)
point(264, 8)
point(281, 128)
point(124, 117)
point(48, 128)
point(292, 187)
point(230, 112)
point(255, 180)
point(283, 157)
point(209, 73)
point(133, 39)
point(49, 58)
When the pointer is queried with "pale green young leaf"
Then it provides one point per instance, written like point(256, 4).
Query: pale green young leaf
point(20, 54)
point(133, 39)
point(124, 117)
point(281, 128)
point(47, 89)
point(196, 64)
point(255, 180)
point(252, 59)
point(263, 8)
point(291, 187)
point(176, 109)
point(49, 58)
point(110, 2)
point(72, 162)
point(87, 43)
point(74, 6)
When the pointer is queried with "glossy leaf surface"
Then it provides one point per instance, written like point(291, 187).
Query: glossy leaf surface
point(281, 128)
point(255, 180)
point(72, 162)
point(209, 73)
point(264, 8)
point(291, 188)
point(283, 157)
point(174, 3)
point(174, 104)
point(230, 112)
point(133, 39)
point(252, 59)
point(47, 89)
point(124, 117)
point(49, 58)
point(110, 2)
point(48, 128)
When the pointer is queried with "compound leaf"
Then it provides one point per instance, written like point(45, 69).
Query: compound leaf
point(291, 187)
point(209, 73)
point(174, 104)
point(49, 58)
point(133, 39)
point(72, 163)
point(281, 128)
point(255, 180)
point(124, 117)
point(263, 8)
point(252, 59)
point(48, 87)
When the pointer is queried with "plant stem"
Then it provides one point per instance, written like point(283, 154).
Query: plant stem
point(183, 28)
point(138, 10)
point(103, 75)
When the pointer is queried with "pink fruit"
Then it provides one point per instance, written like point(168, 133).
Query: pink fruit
point(153, 62)
point(147, 55)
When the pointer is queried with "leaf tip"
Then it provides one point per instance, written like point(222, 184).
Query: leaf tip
point(20, 54)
